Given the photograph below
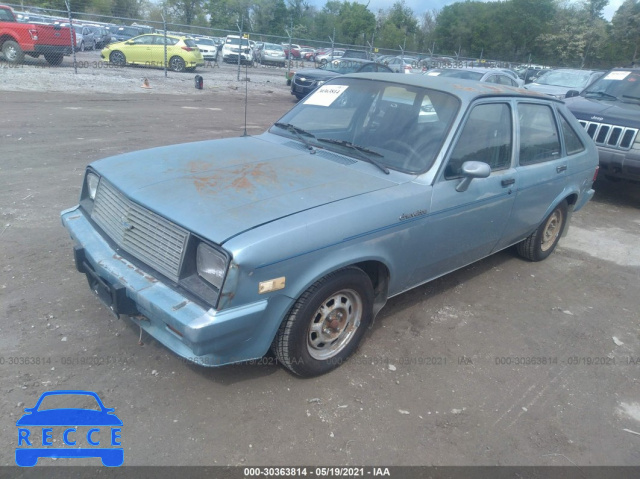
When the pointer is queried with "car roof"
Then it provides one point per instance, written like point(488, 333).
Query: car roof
point(354, 60)
point(574, 70)
point(466, 90)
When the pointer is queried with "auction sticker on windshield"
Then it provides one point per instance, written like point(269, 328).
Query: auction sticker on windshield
point(617, 75)
point(326, 95)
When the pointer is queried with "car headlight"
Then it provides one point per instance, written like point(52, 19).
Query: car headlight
point(320, 82)
point(211, 265)
point(92, 185)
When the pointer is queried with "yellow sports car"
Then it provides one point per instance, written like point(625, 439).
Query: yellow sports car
point(148, 50)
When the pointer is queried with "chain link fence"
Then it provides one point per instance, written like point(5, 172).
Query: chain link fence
point(54, 40)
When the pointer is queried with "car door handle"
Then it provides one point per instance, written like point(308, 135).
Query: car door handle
point(562, 168)
point(508, 182)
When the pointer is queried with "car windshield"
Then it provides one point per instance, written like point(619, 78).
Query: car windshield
point(272, 46)
point(400, 127)
point(462, 74)
point(342, 66)
point(236, 41)
point(67, 401)
point(204, 41)
point(620, 84)
point(564, 78)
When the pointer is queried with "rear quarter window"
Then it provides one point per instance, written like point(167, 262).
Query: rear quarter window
point(572, 142)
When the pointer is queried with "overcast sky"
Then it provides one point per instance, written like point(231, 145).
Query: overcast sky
point(421, 6)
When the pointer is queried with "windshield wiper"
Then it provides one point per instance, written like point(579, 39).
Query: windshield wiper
point(361, 151)
point(298, 132)
point(631, 97)
point(600, 94)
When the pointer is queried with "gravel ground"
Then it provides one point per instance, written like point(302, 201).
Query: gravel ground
point(96, 76)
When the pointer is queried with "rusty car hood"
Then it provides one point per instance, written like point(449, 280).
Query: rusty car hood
point(220, 188)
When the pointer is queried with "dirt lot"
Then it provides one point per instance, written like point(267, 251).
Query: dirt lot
point(437, 380)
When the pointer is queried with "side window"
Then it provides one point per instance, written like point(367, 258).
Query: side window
point(539, 139)
point(572, 141)
point(486, 136)
point(505, 80)
point(368, 68)
point(143, 40)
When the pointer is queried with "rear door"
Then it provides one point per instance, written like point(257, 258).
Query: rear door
point(541, 166)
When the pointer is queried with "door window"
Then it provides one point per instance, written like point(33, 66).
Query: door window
point(486, 137)
point(539, 140)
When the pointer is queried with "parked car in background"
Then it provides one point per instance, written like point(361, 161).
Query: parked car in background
point(350, 53)
point(122, 33)
point(291, 50)
point(530, 74)
point(307, 80)
point(310, 55)
point(558, 82)
point(18, 39)
point(404, 65)
point(148, 50)
point(306, 52)
point(235, 47)
point(329, 55)
point(85, 39)
point(609, 110)
point(207, 47)
point(295, 239)
point(488, 75)
point(101, 35)
point(271, 54)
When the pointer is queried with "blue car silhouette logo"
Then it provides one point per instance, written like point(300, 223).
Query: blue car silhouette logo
point(83, 431)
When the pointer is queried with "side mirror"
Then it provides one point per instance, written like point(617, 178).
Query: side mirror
point(572, 93)
point(128, 43)
point(471, 170)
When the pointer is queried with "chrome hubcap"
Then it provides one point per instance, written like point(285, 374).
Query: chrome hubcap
point(551, 230)
point(334, 324)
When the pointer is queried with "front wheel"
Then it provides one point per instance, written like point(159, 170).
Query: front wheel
point(177, 64)
point(326, 323)
point(118, 58)
point(541, 243)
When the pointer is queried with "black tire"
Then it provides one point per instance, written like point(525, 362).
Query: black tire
point(117, 58)
point(82, 46)
point(543, 241)
point(177, 64)
point(54, 58)
point(326, 323)
point(12, 52)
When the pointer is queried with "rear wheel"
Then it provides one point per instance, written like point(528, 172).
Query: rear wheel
point(12, 52)
point(543, 241)
point(326, 324)
point(177, 64)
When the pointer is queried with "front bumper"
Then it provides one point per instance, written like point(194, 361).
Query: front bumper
point(204, 336)
point(619, 164)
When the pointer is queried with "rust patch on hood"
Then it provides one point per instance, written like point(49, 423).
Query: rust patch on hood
point(244, 177)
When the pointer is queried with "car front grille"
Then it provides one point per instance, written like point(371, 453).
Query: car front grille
point(140, 232)
point(611, 136)
point(306, 82)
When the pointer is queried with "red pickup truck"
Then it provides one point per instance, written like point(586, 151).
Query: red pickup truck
point(20, 39)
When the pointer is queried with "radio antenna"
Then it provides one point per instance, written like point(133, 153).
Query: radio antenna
point(246, 96)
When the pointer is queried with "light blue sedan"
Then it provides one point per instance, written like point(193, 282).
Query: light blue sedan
point(296, 238)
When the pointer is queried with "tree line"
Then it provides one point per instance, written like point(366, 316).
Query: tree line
point(552, 32)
